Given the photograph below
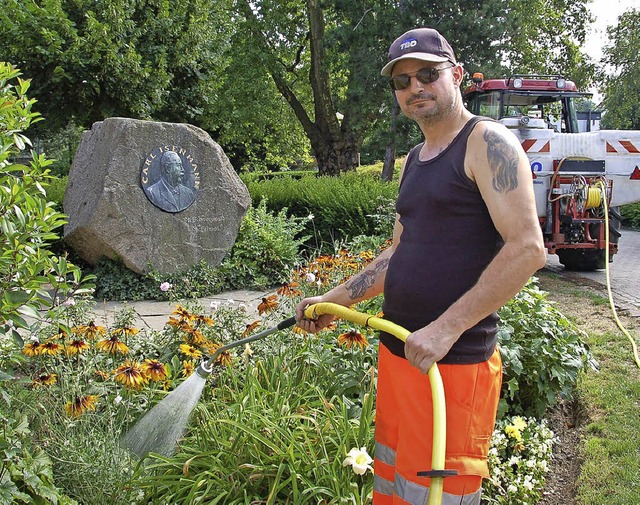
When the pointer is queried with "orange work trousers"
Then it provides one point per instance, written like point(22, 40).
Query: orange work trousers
point(404, 429)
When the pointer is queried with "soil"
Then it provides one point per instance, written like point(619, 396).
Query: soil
point(568, 419)
point(560, 488)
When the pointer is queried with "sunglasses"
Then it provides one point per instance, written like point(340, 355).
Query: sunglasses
point(425, 75)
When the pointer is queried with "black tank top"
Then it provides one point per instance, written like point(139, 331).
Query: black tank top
point(448, 239)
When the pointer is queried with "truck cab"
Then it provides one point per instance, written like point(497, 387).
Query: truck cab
point(527, 101)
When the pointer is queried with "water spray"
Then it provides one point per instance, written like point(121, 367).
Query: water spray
point(161, 428)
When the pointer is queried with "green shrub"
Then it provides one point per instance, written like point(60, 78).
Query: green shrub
point(266, 250)
point(341, 207)
point(631, 215)
point(543, 354)
point(26, 474)
point(61, 146)
point(32, 278)
point(248, 177)
point(114, 281)
point(56, 189)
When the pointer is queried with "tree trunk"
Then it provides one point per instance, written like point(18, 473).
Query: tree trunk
point(390, 154)
point(389, 162)
point(335, 156)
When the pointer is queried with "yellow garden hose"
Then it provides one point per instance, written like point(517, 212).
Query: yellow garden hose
point(437, 390)
point(601, 185)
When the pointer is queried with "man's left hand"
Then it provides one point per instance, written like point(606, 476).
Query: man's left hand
point(428, 345)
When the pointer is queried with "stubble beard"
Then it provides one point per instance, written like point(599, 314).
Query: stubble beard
point(437, 112)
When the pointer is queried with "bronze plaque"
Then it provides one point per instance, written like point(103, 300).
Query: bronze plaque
point(170, 178)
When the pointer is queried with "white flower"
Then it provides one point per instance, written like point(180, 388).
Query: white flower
point(242, 306)
point(310, 278)
point(165, 286)
point(359, 460)
point(117, 399)
point(69, 302)
point(214, 305)
point(310, 217)
point(512, 489)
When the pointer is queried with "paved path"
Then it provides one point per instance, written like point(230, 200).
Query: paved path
point(624, 273)
point(154, 314)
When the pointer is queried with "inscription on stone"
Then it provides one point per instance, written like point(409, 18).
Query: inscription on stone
point(170, 178)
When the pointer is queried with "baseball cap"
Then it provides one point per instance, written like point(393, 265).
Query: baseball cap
point(424, 44)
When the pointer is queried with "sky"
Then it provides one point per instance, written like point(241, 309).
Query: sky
point(606, 13)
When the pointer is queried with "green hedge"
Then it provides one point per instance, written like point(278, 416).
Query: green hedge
point(342, 207)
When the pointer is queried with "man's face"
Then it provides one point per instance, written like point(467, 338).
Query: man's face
point(426, 102)
point(173, 169)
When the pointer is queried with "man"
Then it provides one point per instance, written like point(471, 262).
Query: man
point(169, 193)
point(466, 239)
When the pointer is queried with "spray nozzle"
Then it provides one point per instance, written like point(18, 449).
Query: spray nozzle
point(204, 369)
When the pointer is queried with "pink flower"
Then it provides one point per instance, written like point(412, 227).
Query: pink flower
point(165, 286)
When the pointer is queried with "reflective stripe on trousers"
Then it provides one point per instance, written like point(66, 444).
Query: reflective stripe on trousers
point(413, 493)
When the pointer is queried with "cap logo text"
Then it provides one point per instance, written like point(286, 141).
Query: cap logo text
point(408, 44)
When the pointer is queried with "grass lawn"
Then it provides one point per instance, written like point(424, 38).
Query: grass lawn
point(609, 399)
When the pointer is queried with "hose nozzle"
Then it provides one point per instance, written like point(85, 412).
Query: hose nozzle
point(204, 369)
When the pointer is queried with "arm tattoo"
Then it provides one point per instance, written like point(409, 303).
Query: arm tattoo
point(503, 160)
point(358, 286)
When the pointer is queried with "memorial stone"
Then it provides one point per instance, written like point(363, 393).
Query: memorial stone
point(151, 194)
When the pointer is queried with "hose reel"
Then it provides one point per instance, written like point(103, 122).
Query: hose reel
point(586, 196)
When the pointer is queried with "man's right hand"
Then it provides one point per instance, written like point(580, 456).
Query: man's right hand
point(312, 325)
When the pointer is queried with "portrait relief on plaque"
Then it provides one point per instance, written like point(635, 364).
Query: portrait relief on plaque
point(170, 178)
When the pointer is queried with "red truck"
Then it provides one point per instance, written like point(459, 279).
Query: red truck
point(580, 173)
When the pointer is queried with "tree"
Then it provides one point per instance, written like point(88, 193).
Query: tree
point(91, 59)
point(148, 59)
point(325, 59)
point(546, 37)
point(621, 74)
